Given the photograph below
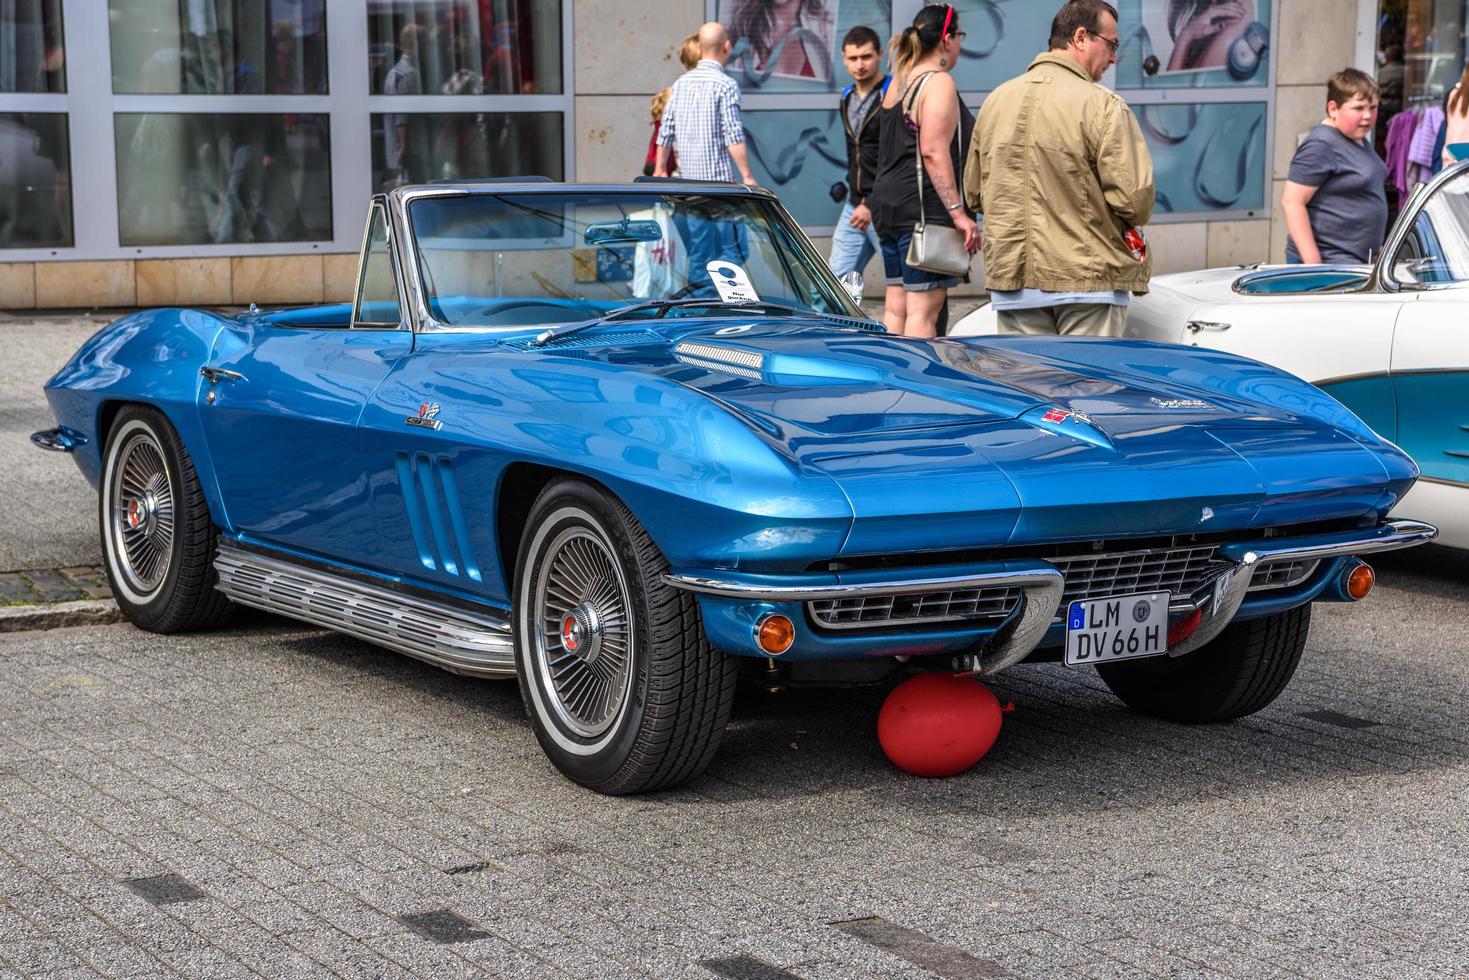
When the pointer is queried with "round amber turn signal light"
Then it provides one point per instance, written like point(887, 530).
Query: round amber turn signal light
point(1360, 581)
point(775, 634)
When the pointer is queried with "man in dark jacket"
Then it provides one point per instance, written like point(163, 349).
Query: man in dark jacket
point(854, 243)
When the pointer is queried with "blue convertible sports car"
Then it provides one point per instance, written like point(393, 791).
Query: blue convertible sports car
point(619, 440)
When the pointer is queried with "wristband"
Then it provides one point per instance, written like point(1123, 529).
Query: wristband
point(954, 207)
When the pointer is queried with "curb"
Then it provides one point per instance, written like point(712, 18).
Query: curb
point(55, 615)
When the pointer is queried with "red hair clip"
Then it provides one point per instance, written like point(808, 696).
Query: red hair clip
point(948, 18)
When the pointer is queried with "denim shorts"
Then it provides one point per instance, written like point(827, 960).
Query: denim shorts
point(898, 272)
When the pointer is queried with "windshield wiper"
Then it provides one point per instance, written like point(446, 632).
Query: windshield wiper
point(663, 306)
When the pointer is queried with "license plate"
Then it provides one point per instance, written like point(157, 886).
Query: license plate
point(1119, 627)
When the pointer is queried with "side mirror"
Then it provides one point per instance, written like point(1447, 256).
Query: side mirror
point(852, 283)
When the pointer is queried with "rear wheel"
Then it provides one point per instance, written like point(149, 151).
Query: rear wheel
point(1235, 674)
point(625, 692)
point(158, 541)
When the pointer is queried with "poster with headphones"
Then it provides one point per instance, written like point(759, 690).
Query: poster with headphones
point(1205, 35)
point(1162, 43)
point(1194, 43)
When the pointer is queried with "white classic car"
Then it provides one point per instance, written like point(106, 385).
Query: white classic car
point(1391, 341)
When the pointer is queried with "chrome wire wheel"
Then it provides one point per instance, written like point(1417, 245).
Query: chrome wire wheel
point(141, 512)
point(583, 632)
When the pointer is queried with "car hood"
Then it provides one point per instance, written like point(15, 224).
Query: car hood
point(814, 389)
point(949, 443)
point(1204, 286)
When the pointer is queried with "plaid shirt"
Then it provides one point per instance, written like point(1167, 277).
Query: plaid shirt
point(703, 119)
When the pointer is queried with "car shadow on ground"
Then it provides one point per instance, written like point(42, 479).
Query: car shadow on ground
point(1431, 569)
point(1067, 746)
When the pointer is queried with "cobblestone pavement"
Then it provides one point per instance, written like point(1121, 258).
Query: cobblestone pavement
point(277, 801)
point(48, 512)
point(37, 585)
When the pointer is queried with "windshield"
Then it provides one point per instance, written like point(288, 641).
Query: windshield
point(530, 260)
point(1436, 249)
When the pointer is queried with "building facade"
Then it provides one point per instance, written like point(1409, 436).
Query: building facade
point(211, 152)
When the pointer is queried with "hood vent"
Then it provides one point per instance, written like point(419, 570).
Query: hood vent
point(731, 360)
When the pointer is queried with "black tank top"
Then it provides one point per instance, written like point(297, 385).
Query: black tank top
point(894, 200)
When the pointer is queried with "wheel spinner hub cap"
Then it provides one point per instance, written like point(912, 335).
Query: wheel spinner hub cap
point(142, 508)
point(581, 632)
point(141, 513)
point(584, 649)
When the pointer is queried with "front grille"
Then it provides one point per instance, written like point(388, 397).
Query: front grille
point(867, 612)
point(1178, 571)
point(1282, 574)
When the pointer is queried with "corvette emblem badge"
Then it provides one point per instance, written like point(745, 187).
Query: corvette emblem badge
point(427, 416)
point(1056, 415)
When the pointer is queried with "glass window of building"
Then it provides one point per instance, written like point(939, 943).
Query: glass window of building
point(218, 47)
point(458, 47)
point(32, 55)
point(200, 178)
point(408, 148)
point(35, 180)
point(1420, 58)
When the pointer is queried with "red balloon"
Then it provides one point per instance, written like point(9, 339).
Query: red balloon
point(938, 724)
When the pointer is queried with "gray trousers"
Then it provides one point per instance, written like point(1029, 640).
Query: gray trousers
point(1069, 319)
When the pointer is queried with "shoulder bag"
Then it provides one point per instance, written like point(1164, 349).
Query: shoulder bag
point(934, 248)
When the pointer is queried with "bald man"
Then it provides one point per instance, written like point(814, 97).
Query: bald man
point(703, 117)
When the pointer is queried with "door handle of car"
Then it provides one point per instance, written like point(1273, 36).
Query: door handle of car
point(1194, 326)
point(215, 375)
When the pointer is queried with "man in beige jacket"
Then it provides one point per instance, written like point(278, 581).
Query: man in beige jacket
point(1059, 169)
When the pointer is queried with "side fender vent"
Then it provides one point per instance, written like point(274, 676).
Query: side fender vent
point(436, 515)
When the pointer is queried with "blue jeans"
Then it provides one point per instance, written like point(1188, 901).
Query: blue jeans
point(851, 249)
point(709, 240)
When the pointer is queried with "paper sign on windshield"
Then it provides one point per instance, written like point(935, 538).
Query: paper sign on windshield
point(732, 283)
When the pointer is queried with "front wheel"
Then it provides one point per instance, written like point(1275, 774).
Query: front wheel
point(1235, 674)
point(624, 690)
point(158, 540)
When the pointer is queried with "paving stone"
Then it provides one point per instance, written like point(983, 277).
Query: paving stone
point(52, 586)
point(315, 789)
point(15, 587)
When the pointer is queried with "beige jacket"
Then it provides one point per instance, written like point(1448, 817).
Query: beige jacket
point(1059, 169)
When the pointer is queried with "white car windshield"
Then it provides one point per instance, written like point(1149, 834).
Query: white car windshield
point(527, 260)
point(1436, 248)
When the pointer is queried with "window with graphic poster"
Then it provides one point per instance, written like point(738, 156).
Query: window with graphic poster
point(1194, 44)
point(1207, 157)
point(800, 154)
point(795, 45)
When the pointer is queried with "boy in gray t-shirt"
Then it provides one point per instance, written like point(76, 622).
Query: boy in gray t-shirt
point(1335, 202)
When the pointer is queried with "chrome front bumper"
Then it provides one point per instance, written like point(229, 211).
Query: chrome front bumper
point(58, 440)
point(1041, 584)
